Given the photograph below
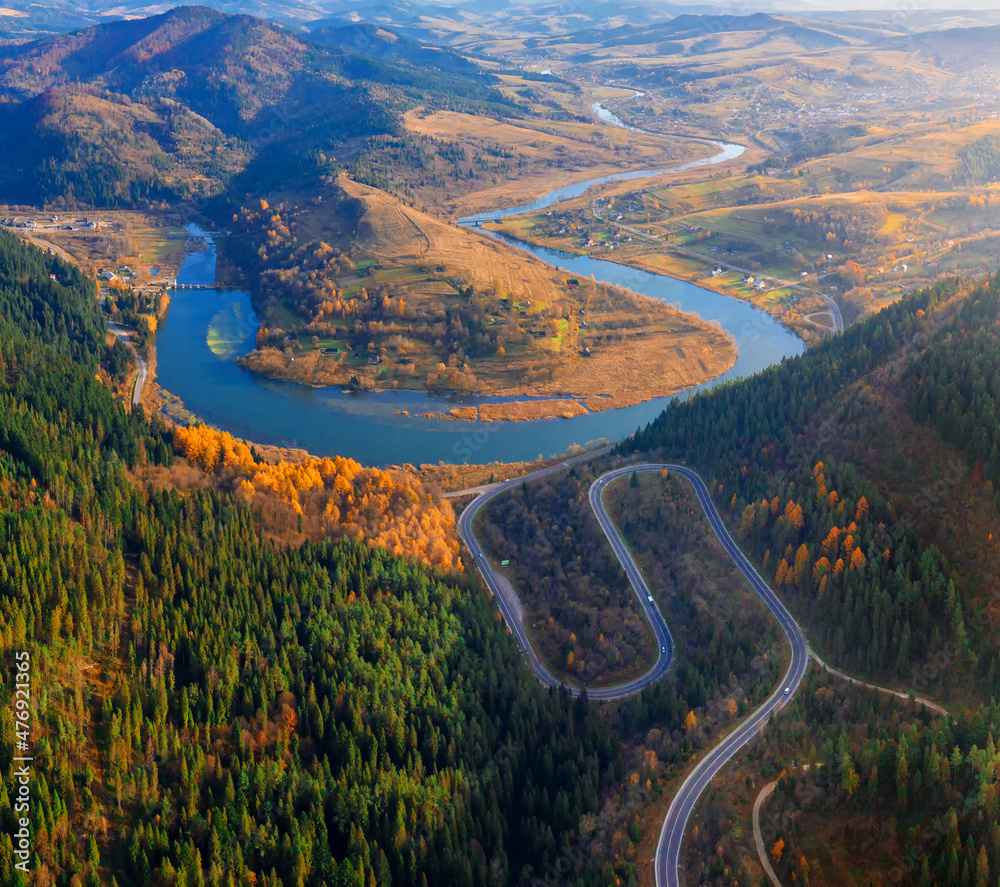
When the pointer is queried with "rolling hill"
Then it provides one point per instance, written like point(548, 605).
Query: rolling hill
point(176, 104)
point(358, 284)
point(960, 49)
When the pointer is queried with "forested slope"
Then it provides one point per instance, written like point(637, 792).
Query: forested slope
point(879, 596)
point(179, 105)
point(209, 708)
point(863, 476)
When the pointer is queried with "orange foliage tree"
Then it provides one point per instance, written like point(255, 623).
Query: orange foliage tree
point(330, 496)
point(793, 514)
point(862, 511)
point(778, 849)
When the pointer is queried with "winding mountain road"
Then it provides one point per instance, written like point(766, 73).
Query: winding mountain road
point(668, 852)
point(506, 598)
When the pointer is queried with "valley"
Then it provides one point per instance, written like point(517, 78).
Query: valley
point(498, 445)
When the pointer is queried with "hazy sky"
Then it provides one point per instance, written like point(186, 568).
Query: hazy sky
point(743, 7)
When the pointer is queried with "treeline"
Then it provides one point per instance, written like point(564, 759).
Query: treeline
point(303, 276)
point(980, 162)
point(405, 163)
point(210, 708)
point(55, 417)
point(742, 431)
point(830, 226)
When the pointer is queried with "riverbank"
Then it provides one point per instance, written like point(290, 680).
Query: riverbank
point(611, 366)
point(586, 224)
point(803, 312)
point(550, 154)
point(392, 427)
point(396, 299)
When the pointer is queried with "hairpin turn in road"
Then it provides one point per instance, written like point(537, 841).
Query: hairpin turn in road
point(668, 851)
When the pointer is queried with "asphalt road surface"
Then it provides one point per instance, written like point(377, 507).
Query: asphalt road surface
point(140, 362)
point(668, 852)
point(509, 608)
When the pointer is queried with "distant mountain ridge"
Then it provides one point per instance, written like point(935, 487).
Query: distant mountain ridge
point(373, 40)
point(176, 104)
point(31, 18)
point(956, 48)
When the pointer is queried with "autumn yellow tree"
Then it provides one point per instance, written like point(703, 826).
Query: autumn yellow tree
point(821, 569)
point(781, 576)
point(832, 542)
point(801, 562)
point(793, 514)
point(862, 511)
point(820, 481)
point(329, 497)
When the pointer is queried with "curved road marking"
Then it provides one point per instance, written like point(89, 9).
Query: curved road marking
point(668, 850)
point(509, 609)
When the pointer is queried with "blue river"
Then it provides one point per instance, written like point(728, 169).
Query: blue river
point(205, 330)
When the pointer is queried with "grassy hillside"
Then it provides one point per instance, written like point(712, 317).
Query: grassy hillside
point(357, 285)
